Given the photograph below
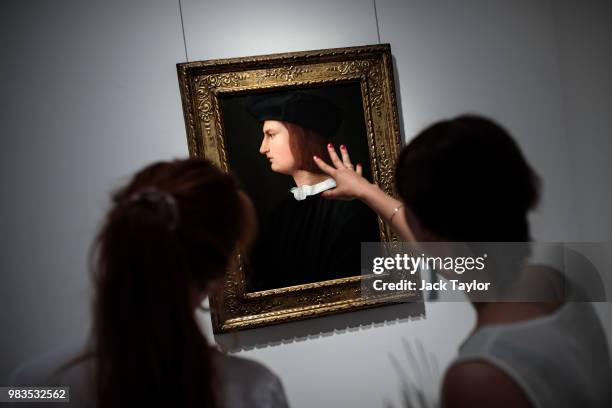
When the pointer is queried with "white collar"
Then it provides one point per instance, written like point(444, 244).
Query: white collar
point(301, 192)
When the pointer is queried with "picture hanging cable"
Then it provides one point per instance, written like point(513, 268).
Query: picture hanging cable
point(183, 30)
point(376, 17)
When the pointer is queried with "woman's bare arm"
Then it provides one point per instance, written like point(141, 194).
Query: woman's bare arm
point(351, 184)
point(475, 384)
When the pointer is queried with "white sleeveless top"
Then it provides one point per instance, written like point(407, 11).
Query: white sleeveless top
point(244, 383)
point(558, 360)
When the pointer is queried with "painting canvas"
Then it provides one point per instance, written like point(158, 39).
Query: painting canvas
point(270, 140)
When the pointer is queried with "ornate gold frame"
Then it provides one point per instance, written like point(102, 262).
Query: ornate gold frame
point(202, 82)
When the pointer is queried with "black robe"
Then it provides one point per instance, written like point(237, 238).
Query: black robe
point(311, 240)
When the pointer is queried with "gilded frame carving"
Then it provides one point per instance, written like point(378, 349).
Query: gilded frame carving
point(202, 82)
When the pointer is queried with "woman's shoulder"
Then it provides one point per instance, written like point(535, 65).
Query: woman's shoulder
point(244, 382)
point(46, 368)
point(62, 367)
point(570, 336)
point(239, 367)
point(480, 383)
point(247, 383)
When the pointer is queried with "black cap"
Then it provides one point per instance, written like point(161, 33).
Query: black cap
point(304, 109)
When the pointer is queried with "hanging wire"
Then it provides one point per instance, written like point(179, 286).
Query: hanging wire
point(183, 30)
point(376, 17)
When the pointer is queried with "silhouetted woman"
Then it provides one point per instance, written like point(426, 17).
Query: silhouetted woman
point(166, 243)
point(466, 180)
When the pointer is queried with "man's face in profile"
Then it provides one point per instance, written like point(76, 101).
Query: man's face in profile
point(276, 147)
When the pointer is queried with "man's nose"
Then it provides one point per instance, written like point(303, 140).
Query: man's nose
point(264, 146)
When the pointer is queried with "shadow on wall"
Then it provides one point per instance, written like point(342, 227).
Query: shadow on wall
point(398, 101)
point(320, 327)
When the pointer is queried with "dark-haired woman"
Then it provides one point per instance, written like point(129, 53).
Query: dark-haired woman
point(170, 235)
point(466, 180)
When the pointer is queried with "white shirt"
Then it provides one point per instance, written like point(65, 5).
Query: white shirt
point(300, 193)
point(244, 383)
point(558, 360)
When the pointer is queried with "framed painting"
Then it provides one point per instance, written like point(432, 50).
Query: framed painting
point(262, 118)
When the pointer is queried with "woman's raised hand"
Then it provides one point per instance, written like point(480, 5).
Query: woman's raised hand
point(349, 181)
point(350, 184)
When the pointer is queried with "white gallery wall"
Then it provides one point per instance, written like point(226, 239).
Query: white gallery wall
point(89, 95)
point(583, 31)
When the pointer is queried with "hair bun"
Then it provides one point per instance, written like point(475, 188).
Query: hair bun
point(162, 202)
